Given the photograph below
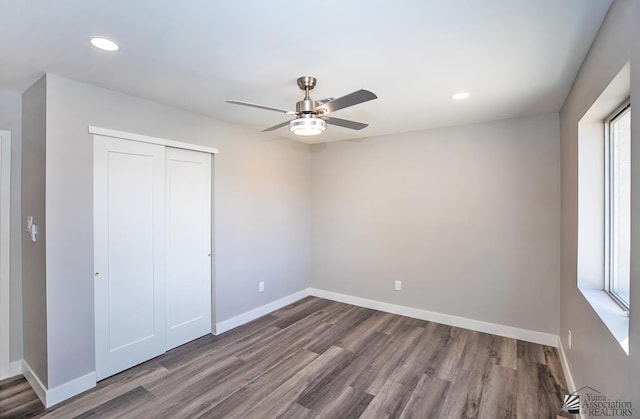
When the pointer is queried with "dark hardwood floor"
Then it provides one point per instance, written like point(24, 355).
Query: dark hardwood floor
point(321, 359)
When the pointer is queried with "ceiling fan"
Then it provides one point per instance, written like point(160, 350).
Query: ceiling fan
point(311, 115)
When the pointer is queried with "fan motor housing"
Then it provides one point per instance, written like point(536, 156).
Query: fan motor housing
point(306, 106)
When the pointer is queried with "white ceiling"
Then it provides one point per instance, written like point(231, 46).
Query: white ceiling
point(516, 57)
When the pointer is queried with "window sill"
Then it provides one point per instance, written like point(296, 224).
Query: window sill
point(611, 314)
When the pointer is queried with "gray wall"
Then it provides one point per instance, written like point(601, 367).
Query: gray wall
point(11, 120)
point(468, 218)
point(34, 287)
point(262, 208)
point(596, 359)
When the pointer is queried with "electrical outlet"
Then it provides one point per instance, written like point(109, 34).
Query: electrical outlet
point(569, 339)
point(261, 286)
point(398, 285)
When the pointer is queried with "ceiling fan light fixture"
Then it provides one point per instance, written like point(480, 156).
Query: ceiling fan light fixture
point(307, 126)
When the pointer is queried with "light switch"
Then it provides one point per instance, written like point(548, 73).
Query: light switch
point(34, 233)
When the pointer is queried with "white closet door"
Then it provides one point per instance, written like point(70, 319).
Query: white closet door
point(188, 245)
point(129, 202)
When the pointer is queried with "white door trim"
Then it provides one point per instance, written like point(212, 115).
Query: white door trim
point(5, 285)
point(153, 140)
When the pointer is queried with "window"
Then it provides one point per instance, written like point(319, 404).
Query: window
point(604, 217)
point(618, 205)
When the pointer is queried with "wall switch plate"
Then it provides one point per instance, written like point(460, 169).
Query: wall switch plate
point(34, 233)
point(398, 285)
point(569, 339)
point(261, 286)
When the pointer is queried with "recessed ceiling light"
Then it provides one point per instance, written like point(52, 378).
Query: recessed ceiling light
point(104, 44)
point(460, 96)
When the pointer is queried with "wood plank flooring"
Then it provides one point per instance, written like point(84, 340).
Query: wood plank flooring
point(321, 359)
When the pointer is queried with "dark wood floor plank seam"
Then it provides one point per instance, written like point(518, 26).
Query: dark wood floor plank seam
point(240, 402)
point(111, 407)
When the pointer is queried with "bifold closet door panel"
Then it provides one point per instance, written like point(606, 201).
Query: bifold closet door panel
point(129, 235)
point(188, 245)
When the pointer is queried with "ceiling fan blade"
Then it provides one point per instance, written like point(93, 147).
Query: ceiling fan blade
point(275, 127)
point(344, 123)
point(345, 101)
point(255, 105)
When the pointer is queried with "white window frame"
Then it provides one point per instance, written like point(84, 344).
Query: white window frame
point(609, 248)
point(591, 239)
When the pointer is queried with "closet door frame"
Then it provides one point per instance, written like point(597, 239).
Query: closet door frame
point(7, 368)
point(104, 132)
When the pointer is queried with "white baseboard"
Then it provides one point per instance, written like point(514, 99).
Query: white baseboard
point(60, 393)
point(70, 389)
point(243, 318)
point(448, 319)
point(37, 386)
point(565, 367)
point(567, 371)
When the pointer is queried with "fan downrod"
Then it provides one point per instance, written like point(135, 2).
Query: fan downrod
point(306, 105)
